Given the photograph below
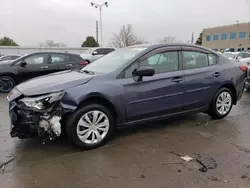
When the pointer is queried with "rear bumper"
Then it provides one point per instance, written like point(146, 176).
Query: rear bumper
point(247, 82)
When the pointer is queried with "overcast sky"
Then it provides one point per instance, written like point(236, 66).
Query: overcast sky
point(30, 22)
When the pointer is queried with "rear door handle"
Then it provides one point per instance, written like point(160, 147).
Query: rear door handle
point(68, 65)
point(177, 79)
point(216, 74)
point(45, 67)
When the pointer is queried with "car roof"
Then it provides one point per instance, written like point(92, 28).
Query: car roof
point(11, 55)
point(64, 53)
point(158, 45)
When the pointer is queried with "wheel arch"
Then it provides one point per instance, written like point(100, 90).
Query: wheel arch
point(102, 100)
point(13, 76)
point(232, 88)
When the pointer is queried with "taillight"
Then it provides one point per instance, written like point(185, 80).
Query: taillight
point(243, 68)
point(83, 63)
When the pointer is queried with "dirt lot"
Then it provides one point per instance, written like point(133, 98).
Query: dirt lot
point(138, 156)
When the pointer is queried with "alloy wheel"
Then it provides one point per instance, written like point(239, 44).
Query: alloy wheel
point(6, 84)
point(224, 103)
point(93, 127)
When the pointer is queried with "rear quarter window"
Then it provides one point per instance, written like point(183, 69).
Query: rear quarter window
point(224, 60)
point(75, 57)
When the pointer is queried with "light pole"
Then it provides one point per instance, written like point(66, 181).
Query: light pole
point(100, 10)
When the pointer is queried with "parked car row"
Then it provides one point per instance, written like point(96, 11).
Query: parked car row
point(15, 69)
point(127, 86)
point(242, 58)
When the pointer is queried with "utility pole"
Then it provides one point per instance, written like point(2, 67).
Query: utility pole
point(100, 10)
point(97, 31)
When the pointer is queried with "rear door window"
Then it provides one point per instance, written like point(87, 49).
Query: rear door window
point(246, 55)
point(75, 57)
point(59, 58)
point(193, 60)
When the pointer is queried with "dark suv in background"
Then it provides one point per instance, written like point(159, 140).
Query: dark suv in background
point(36, 64)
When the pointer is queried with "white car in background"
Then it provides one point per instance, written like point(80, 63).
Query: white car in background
point(93, 54)
point(241, 58)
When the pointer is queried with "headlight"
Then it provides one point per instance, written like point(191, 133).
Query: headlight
point(43, 102)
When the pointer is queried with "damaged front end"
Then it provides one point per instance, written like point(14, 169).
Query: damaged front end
point(37, 116)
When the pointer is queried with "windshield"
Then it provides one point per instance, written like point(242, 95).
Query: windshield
point(230, 55)
point(113, 60)
point(88, 51)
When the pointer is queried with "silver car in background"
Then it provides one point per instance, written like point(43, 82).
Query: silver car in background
point(93, 54)
point(244, 59)
point(241, 57)
point(9, 57)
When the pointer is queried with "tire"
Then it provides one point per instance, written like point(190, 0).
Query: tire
point(7, 83)
point(223, 94)
point(74, 129)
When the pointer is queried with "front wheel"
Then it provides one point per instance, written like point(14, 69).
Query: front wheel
point(221, 104)
point(90, 126)
point(6, 84)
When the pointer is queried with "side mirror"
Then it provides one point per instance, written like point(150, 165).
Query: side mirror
point(94, 53)
point(144, 71)
point(23, 64)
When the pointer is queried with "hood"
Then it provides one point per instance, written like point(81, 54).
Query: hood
point(53, 82)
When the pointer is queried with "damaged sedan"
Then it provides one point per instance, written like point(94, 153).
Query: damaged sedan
point(128, 86)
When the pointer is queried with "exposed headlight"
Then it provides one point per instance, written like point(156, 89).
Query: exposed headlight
point(43, 102)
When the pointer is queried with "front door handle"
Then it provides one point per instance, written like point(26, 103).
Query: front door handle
point(45, 67)
point(177, 79)
point(216, 74)
point(68, 65)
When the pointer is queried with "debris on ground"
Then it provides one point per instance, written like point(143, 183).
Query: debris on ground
point(206, 124)
point(3, 164)
point(142, 176)
point(187, 158)
point(212, 178)
point(172, 152)
point(164, 163)
point(244, 176)
point(179, 170)
point(241, 148)
point(247, 166)
point(206, 162)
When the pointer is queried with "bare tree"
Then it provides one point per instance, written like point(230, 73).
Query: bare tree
point(126, 37)
point(51, 43)
point(169, 39)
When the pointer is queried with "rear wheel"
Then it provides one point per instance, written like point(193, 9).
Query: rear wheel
point(6, 84)
point(90, 126)
point(221, 104)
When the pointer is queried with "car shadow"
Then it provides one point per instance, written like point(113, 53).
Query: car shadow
point(39, 150)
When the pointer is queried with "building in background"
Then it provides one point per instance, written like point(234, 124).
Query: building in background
point(235, 37)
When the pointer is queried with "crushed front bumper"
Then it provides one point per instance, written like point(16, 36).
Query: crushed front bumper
point(26, 123)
